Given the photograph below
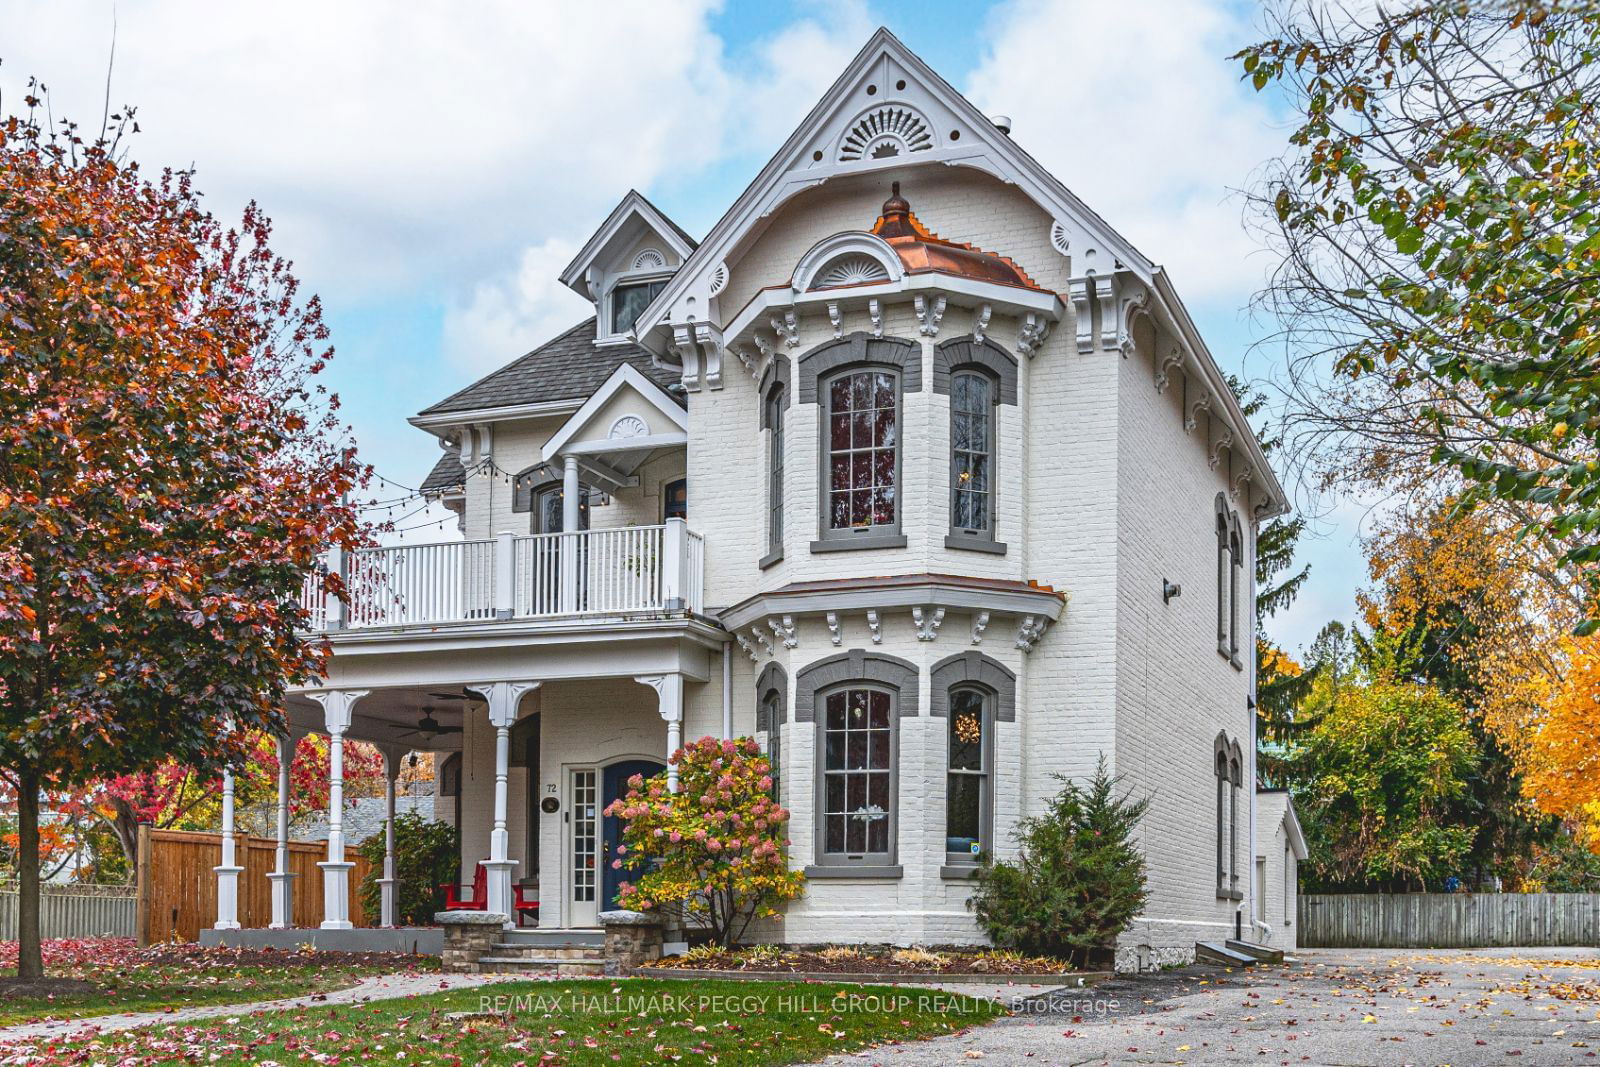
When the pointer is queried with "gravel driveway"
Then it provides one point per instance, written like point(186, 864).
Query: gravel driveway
point(1535, 1006)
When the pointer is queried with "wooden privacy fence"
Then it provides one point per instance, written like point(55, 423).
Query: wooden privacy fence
point(1448, 920)
point(71, 911)
point(179, 894)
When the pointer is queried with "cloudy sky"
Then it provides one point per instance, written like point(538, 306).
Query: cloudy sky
point(432, 165)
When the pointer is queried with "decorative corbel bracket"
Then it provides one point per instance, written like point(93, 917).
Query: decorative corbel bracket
point(752, 364)
point(688, 354)
point(875, 311)
point(835, 318)
point(710, 340)
point(1030, 630)
point(929, 312)
point(783, 629)
point(1224, 440)
point(980, 623)
point(749, 649)
point(1164, 365)
point(1031, 332)
point(787, 326)
point(927, 622)
point(1082, 316)
point(834, 633)
point(1192, 418)
point(1130, 302)
point(768, 347)
point(875, 624)
point(980, 323)
point(1246, 474)
point(761, 639)
point(1105, 295)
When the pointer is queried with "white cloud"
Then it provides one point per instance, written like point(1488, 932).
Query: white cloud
point(395, 144)
point(509, 314)
point(766, 93)
point(1137, 109)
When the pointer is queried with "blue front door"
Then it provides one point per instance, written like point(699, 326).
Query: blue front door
point(614, 784)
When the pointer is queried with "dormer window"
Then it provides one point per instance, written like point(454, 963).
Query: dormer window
point(629, 301)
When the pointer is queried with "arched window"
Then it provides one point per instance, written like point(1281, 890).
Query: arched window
point(969, 796)
point(856, 699)
point(776, 403)
point(1224, 806)
point(772, 696)
point(972, 399)
point(862, 457)
point(1235, 780)
point(1230, 582)
point(856, 764)
point(1224, 579)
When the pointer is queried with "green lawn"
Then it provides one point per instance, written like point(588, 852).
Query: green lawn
point(569, 1022)
point(128, 979)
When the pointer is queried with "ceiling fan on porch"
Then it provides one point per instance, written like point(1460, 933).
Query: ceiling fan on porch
point(429, 728)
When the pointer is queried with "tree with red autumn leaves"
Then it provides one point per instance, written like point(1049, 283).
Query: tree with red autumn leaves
point(169, 472)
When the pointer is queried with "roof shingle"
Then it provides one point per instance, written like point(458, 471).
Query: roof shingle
point(570, 366)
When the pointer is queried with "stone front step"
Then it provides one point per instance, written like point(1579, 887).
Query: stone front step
point(554, 937)
point(540, 965)
point(554, 951)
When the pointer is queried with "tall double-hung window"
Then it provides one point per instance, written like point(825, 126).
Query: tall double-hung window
point(972, 453)
point(857, 809)
point(863, 452)
point(967, 787)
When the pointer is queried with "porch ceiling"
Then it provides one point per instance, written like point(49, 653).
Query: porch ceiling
point(390, 717)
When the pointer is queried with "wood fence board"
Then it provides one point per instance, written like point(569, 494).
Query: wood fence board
point(1448, 920)
point(182, 886)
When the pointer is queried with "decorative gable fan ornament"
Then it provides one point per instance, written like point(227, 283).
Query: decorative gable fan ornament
point(885, 131)
point(649, 259)
point(853, 269)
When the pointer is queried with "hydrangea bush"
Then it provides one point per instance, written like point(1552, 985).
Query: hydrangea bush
point(713, 852)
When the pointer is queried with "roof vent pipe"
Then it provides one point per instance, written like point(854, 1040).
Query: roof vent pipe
point(1002, 123)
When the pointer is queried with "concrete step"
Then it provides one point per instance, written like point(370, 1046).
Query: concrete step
point(554, 937)
point(540, 965)
point(1257, 952)
point(1218, 952)
point(519, 950)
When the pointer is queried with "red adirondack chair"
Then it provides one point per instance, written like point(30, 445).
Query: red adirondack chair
point(478, 898)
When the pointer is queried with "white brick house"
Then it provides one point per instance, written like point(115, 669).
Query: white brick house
point(900, 469)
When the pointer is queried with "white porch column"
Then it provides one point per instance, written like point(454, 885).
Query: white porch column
point(570, 491)
point(337, 706)
point(282, 878)
point(503, 699)
point(669, 701)
point(228, 870)
point(388, 885)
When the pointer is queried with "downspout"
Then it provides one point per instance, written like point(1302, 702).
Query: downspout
point(727, 690)
point(1250, 709)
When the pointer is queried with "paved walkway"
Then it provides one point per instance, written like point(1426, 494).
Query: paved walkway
point(1534, 1006)
point(379, 987)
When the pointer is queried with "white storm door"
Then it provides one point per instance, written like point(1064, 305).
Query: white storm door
point(584, 886)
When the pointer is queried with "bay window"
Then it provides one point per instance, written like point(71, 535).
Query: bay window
point(862, 464)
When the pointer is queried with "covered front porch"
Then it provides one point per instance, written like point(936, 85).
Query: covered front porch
point(532, 735)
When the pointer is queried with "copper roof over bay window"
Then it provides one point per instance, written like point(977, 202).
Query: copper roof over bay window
point(924, 252)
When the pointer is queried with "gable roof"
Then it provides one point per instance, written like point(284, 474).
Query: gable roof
point(568, 367)
point(633, 204)
point(625, 376)
point(1277, 807)
point(1097, 247)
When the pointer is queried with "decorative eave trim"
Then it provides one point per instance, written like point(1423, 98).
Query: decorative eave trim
point(988, 150)
point(441, 423)
point(575, 275)
point(1170, 312)
point(626, 374)
point(935, 291)
point(926, 593)
point(497, 634)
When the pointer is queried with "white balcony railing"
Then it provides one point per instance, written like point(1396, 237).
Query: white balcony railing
point(615, 571)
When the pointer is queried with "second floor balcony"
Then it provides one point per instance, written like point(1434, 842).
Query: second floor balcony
point(622, 571)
